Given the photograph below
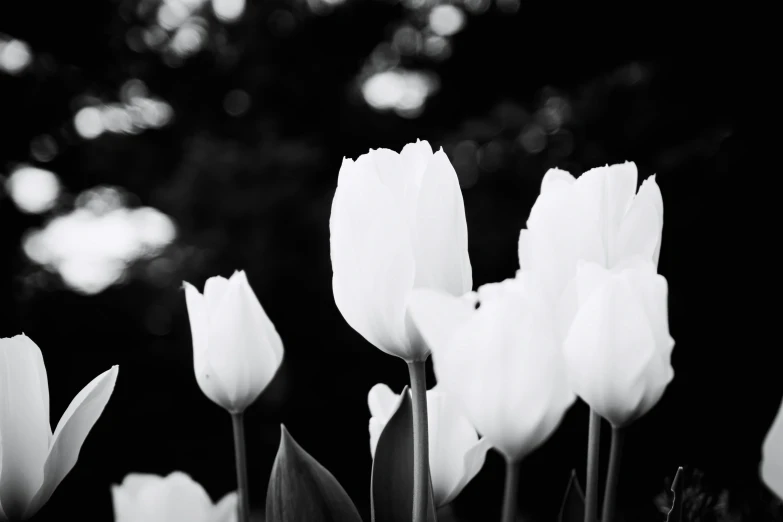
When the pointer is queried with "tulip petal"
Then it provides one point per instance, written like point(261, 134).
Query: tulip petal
point(556, 175)
point(69, 435)
point(24, 424)
point(524, 252)
point(772, 456)
point(640, 232)
point(273, 344)
point(226, 508)
point(372, 259)
point(382, 402)
point(124, 496)
point(177, 497)
point(438, 315)
point(440, 237)
point(208, 379)
point(609, 347)
point(506, 356)
point(215, 289)
point(607, 192)
point(451, 435)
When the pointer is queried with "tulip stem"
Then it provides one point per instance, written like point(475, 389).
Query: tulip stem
point(593, 447)
point(243, 506)
point(511, 491)
point(421, 459)
point(612, 481)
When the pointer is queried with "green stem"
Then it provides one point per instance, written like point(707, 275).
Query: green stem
point(593, 447)
point(612, 481)
point(421, 459)
point(511, 492)
point(243, 506)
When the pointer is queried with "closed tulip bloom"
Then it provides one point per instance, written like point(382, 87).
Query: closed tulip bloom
point(397, 223)
point(772, 456)
point(33, 460)
point(236, 349)
point(456, 453)
point(145, 497)
point(597, 217)
point(618, 348)
point(501, 360)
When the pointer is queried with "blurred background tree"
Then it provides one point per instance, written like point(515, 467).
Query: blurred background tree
point(147, 142)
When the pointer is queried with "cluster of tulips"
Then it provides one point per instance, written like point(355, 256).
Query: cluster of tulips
point(585, 316)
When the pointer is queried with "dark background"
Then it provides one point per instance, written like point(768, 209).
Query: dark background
point(520, 92)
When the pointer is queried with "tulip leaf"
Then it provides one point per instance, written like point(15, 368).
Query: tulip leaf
point(391, 489)
point(675, 515)
point(300, 488)
point(573, 507)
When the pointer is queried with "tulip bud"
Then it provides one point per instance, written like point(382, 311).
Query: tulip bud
point(151, 498)
point(456, 452)
point(397, 223)
point(501, 360)
point(618, 348)
point(597, 217)
point(33, 461)
point(236, 349)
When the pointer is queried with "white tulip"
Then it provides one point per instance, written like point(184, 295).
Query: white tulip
point(145, 497)
point(772, 456)
point(502, 361)
point(33, 460)
point(618, 347)
point(236, 349)
point(397, 223)
point(457, 453)
point(597, 217)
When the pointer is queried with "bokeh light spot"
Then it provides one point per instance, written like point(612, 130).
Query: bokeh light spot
point(33, 190)
point(15, 56)
point(228, 10)
point(236, 102)
point(88, 123)
point(446, 20)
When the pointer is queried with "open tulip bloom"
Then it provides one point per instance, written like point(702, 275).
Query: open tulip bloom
point(33, 460)
point(397, 223)
point(145, 497)
point(456, 453)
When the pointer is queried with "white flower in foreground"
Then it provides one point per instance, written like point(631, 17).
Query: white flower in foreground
point(456, 452)
point(502, 360)
point(597, 217)
point(397, 223)
point(236, 349)
point(772, 456)
point(619, 348)
point(145, 497)
point(33, 460)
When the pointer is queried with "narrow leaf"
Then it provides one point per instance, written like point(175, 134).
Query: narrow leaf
point(675, 515)
point(300, 488)
point(391, 489)
point(573, 507)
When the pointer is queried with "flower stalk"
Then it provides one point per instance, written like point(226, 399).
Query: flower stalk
point(510, 491)
point(612, 481)
point(243, 506)
point(593, 447)
point(421, 459)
